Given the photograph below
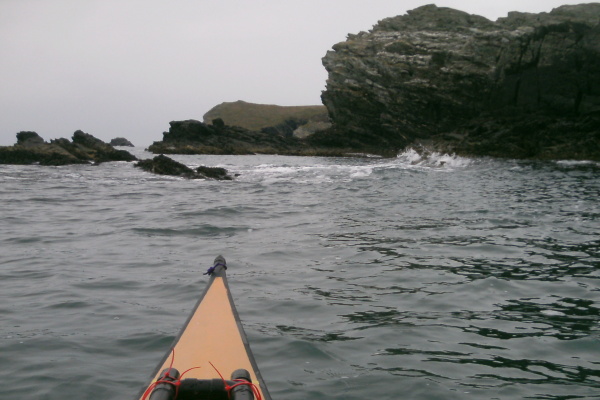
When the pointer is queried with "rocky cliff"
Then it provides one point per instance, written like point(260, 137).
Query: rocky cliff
point(525, 86)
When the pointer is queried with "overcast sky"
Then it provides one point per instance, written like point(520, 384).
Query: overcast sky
point(127, 67)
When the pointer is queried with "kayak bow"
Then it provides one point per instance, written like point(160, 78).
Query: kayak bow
point(212, 339)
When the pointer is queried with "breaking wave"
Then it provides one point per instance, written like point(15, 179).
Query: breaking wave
point(323, 170)
point(432, 159)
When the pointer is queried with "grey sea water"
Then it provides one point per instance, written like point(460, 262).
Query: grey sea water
point(437, 278)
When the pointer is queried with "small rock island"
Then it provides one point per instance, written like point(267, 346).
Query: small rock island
point(121, 141)
point(82, 149)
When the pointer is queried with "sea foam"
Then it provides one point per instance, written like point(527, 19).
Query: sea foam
point(432, 159)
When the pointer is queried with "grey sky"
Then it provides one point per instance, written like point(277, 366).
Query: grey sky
point(128, 67)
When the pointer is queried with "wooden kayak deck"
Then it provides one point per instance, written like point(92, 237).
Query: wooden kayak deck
point(213, 334)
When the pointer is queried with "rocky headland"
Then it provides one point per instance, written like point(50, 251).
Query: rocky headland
point(524, 86)
point(82, 149)
point(195, 137)
point(297, 121)
point(240, 127)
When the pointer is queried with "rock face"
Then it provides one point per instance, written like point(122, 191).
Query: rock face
point(84, 148)
point(164, 165)
point(528, 82)
point(195, 137)
point(121, 141)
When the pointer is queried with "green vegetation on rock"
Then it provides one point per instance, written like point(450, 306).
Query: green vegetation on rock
point(255, 117)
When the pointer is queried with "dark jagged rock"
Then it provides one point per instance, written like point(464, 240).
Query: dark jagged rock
point(121, 141)
point(29, 139)
point(285, 128)
point(85, 148)
point(164, 165)
point(528, 137)
point(86, 140)
point(47, 154)
point(195, 137)
point(217, 173)
point(79, 152)
point(89, 148)
point(98, 150)
point(524, 86)
point(218, 123)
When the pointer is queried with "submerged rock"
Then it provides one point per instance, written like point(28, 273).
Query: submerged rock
point(471, 84)
point(164, 165)
point(84, 148)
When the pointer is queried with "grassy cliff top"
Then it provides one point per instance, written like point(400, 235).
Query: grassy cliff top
point(257, 116)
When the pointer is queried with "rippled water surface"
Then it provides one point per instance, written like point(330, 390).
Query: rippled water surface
point(442, 278)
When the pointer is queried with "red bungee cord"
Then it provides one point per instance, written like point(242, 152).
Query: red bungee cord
point(257, 395)
point(174, 382)
point(177, 382)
